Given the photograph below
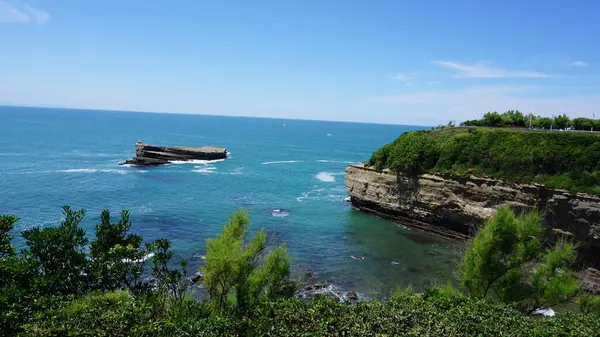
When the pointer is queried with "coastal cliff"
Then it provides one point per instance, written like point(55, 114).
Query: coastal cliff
point(454, 206)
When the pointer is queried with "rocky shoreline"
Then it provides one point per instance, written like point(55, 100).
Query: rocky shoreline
point(454, 207)
point(153, 155)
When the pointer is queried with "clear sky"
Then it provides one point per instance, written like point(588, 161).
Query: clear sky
point(396, 61)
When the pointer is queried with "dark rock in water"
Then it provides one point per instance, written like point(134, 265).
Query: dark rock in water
point(198, 277)
point(319, 289)
point(320, 286)
point(279, 212)
point(311, 274)
point(151, 280)
point(352, 296)
point(432, 253)
point(151, 155)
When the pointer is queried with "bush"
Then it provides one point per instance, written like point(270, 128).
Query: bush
point(506, 260)
point(565, 160)
point(257, 281)
point(514, 118)
point(239, 274)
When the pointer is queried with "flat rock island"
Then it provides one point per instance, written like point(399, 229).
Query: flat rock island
point(152, 155)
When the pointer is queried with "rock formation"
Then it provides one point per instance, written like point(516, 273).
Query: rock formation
point(454, 206)
point(151, 155)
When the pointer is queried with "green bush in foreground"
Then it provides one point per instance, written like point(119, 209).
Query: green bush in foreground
point(567, 160)
point(248, 289)
point(239, 273)
point(430, 314)
point(506, 260)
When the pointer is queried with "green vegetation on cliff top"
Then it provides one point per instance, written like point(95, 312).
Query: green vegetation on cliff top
point(564, 160)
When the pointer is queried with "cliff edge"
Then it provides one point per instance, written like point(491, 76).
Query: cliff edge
point(454, 206)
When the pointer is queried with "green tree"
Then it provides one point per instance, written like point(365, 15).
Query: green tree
point(506, 260)
point(239, 273)
point(171, 287)
point(582, 123)
point(561, 121)
point(492, 119)
point(60, 253)
point(117, 256)
point(514, 117)
point(543, 122)
point(17, 275)
point(7, 223)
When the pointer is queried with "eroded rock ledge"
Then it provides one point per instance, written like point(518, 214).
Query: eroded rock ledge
point(454, 206)
point(152, 155)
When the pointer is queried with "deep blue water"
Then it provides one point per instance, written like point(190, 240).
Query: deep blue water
point(54, 157)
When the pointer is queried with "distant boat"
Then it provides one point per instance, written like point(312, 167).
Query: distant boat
point(283, 126)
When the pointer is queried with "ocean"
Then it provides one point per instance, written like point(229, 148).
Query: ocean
point(290, 179)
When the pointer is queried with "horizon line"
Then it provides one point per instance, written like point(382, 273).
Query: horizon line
point(202, 114)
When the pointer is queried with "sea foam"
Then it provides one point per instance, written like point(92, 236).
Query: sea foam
point(281, 162)
point(325, 177)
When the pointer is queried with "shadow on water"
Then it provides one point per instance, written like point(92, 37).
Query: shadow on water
point(383, 255)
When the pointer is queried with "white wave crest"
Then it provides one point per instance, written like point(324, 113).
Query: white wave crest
point(281, 162)
point(279, 213)
point(236, 172)
point(325, 177)
point(11, 154)
point(333, 161)
point(90, 170)
point(205, 170)
point(195, 161)
point(309, 194)
point(149, 256)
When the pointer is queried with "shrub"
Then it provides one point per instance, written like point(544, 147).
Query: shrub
point(564, 160)
point(506, 260)
point(239, 273)
point(115, 252)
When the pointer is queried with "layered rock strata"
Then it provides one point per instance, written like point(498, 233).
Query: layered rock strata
point(455, 207)
point(152, 155)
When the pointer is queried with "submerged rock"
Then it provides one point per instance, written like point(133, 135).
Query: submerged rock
point(152, 155)
point(196, 278)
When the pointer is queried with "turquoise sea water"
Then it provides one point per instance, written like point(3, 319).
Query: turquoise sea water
point(290, 179)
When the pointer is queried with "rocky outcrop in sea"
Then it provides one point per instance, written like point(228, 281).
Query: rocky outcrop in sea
point(152, 155)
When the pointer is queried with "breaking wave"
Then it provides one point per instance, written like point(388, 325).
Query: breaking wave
point(149, 256)
point(280, 213)
point(281, 162)
point(325, 177)
point(88, 170)
point(195, 161)
point(333, 161)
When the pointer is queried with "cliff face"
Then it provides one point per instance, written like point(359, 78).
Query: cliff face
point(454, 206)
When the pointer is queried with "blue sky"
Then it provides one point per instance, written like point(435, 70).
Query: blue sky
point(398, 61)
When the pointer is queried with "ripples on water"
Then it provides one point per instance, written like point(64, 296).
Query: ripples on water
point(290, 180)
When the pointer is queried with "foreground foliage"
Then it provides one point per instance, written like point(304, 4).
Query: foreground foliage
point(565, 160)
point(56, 287)
point(239, 274)
point(506, 260)
point(433, 313)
